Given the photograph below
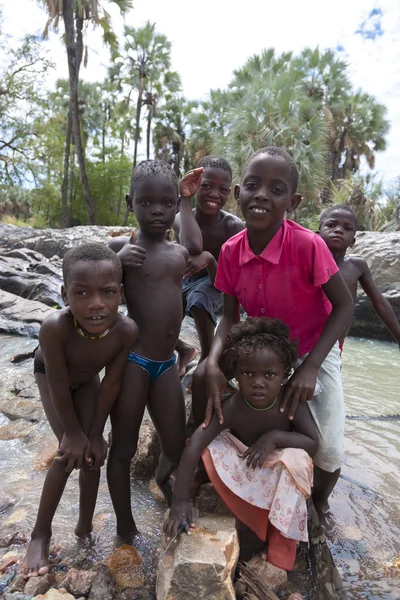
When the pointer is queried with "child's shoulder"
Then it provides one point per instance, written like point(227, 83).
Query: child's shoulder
point(231, 223)
point(356, 263)
point(56, 326)
point(127, 328)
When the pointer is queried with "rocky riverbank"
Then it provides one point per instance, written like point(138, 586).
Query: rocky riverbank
point(30, 269)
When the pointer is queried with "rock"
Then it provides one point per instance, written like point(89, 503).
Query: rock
point(8, 562)
point(125, 566)
point(382, 253)
point(39, 585)
point(271, 576)
point(26, 387)
point(55, 242)
point(12, 537)
point(16, 408)
point(26, 277)
point(18, 585)
point(45, 457)
point(202, 565)
point(77, 582)
point(145, 461)
point(295, 596)
point(20, 316)
point(103, 586)
point(53, 594)
point(19, 429)
point(17, 596)
point(208, 501)
point(6, 501)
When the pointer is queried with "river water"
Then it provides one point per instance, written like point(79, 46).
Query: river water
point(363, 527)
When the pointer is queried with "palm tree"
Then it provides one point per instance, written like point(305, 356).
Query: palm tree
point(75, 13)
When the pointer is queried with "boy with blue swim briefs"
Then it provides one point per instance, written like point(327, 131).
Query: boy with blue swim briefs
point(153, 270)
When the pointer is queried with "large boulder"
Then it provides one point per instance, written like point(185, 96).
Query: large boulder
point(28, 274)
point(20, 316)
point(202, 565)
point(55, 242)
point(382, 253)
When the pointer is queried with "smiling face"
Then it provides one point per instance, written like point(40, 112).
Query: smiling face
point(260, 375)
point(93, 292)
point(214, 189)
point(154, 203)
point(338, 230)
point(265, 194)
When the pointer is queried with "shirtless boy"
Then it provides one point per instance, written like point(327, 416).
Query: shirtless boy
point(153, 272)
point(337, 227)
point(200, 298)
point(76, 343)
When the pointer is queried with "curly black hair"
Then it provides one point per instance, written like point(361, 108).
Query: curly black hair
point(261, 332)
point(153, 168)
point(283, 153)
point(215, 162)
point(89, 252)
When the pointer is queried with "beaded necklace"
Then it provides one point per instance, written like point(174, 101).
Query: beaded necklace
point(260, 409)
point(90, 337)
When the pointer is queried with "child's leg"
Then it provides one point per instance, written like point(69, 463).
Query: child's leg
point(36, 561)
point(126, 418)
point(85, 402)
point(167, 410)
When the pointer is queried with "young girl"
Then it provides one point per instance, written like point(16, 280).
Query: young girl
point(258, 460)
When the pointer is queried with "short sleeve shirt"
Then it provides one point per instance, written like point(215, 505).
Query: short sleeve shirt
point(283, 282)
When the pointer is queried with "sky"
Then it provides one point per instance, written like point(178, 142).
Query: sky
point(213, 37)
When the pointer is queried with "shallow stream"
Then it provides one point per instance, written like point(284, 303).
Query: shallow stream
point(363, 527)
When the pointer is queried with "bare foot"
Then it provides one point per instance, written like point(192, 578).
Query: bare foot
point(167, 488)
point(185, 356)
point(82, 531)
point(36, 561)
point(126, 536)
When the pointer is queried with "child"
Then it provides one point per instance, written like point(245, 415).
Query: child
point(278, 269)
point(258, 460)
point(153, 273)
point(76, 343)
point(337, 227)
point(200, 298)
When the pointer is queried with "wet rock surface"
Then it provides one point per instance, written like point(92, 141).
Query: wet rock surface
point(201, 565)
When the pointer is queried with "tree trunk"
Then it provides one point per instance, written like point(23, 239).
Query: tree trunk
point(137, 132)
point(64, 189)
point(149, 117)
point(72, 53)
point(72, 187)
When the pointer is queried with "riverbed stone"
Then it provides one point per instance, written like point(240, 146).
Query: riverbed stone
point(8, 537)
point(6, 501)
point(145, 461)
point(103, 586)
point(45, 457)
point(270, 575)
point(207, 501)
point(39, 585)
point(19, 429)
point(78, 582)
point(14, 408)
point(125, 565)
point(200, 565)
point(20, 316)
point(54, 594)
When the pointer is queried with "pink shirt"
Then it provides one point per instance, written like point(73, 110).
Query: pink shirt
point(284, 282)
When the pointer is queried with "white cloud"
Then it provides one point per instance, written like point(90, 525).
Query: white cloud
point(213, 38)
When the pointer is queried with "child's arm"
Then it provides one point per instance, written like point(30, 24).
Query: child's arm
point(74, 445)
point(180, 509)
point(215, 381)
point(304, 436)
point(301, 385)
point(204, 260)
point(131, 256)
point(109, 390)
point(381, 306)
point(189, 232)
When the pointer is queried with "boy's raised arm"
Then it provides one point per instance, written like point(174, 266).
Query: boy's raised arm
point(74, 444)
point(381, 306)
point(109, 390)
point(302, 384)
point(189, 232)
